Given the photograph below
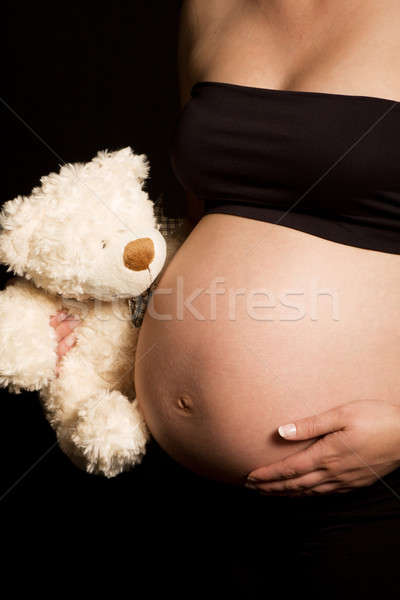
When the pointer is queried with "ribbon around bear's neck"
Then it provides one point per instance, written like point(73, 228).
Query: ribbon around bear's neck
point(167, 227)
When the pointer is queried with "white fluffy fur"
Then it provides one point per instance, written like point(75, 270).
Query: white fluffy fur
point(53, 241)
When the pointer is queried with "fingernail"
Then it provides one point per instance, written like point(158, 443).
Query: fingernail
point(69, 339)
point(253, 479)
point(287, 431)
point(62, 315)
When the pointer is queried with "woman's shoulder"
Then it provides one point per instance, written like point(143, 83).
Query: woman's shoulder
point(201, 13)
point(200, 22)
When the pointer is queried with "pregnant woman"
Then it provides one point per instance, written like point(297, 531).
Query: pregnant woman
point(282, 307)
point(284, 301)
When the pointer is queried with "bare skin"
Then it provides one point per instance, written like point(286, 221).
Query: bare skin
point(215, 391)
point(64, 325)
point(339, 47)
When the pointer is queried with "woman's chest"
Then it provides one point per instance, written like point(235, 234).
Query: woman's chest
point(347, 47)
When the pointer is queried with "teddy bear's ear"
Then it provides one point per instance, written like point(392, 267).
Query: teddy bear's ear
point(124, 161)
point(18, 220)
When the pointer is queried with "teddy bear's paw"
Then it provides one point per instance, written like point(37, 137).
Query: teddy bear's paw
point(111, 433)
point(27, 341)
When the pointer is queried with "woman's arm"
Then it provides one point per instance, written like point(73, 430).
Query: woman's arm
point(188, 30)
point(186, 42)
point(198, 24)
point(201, 23)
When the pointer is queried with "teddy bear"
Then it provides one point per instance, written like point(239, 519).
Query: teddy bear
point(88, 241)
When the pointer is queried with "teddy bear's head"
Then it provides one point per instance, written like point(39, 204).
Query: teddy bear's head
point(88, 231)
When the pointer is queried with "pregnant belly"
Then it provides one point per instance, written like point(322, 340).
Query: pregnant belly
point(254, 325)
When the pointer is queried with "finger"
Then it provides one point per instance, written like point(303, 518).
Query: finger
point(325, 488)
point(294, 484)
point(66, 344)
point(314, 426)
point(294, 465)
point(341, 483)
point(316, 483)
point(58, 317)
point(66, 326)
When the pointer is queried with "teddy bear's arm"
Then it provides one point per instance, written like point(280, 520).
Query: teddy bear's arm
point(28, 343)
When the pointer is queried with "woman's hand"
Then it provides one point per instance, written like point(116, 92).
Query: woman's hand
point(64, 325)
point(360, 443)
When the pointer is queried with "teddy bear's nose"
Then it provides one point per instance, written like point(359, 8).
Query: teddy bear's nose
point(138, 254)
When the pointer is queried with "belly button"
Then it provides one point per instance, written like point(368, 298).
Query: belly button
point(185, 402)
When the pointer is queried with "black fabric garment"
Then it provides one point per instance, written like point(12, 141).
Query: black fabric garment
point(326, 164)
point(331, 546)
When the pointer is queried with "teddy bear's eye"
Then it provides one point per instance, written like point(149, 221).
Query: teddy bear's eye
point(103, 243)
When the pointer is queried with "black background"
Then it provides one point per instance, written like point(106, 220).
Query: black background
point(85, 77)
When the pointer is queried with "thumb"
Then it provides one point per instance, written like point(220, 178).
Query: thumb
point(314, 426)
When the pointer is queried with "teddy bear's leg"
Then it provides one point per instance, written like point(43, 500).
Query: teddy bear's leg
point(110, 433)
point(27, 341)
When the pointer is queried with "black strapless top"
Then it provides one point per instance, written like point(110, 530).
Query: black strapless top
point(326, 164)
